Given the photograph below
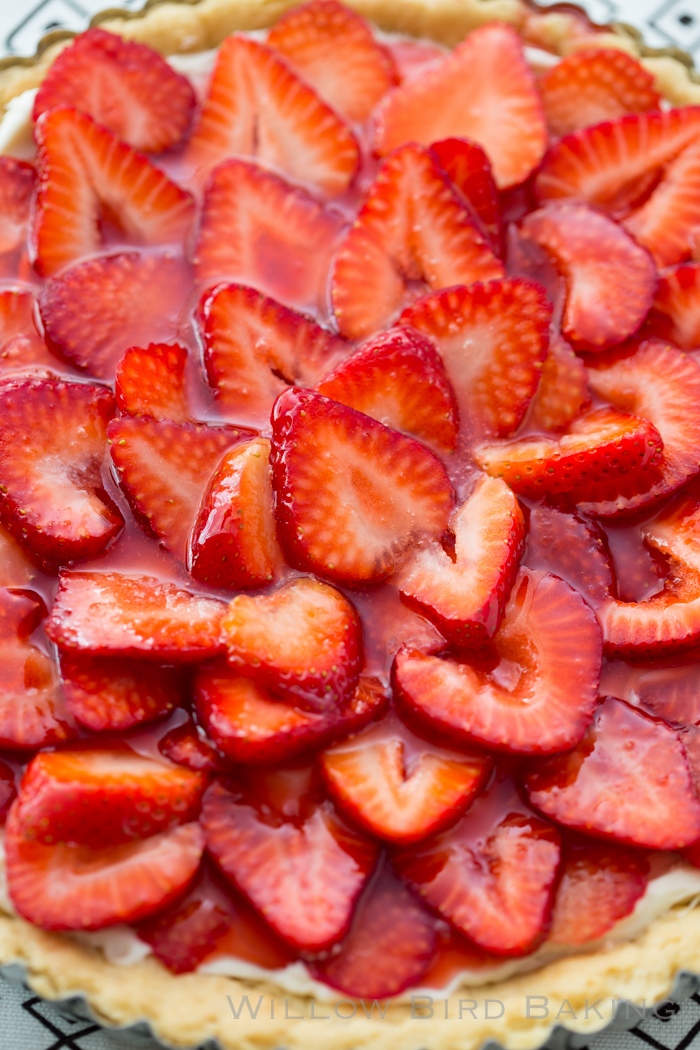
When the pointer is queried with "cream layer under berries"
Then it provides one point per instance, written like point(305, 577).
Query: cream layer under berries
point(349, 442)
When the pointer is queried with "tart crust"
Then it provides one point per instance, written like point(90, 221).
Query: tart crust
point(186, 1009)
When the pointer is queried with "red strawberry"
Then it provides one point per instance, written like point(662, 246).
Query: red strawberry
point(258, 108)
point(590, 86)
point(412, 227)
point(151, 382)
point(52, 495)
point(233, 542)
point(104, 693)
point(22, 349)
point(668, 691)
point(541, 694)
point(16, 569)
point(492, 876)
point(96, 310)
point(399, 379)
point(105, 614)
point(628, 780)
point(570, 548)
point(469, 170)
point(678, 301)
point(493, 339)
point(184, 934)
point(334, 50)
point(304, 641)
point(8, 792)
point(17, 182)
point(663, 224)
point(484, 90)
point(260, 230)
point(465, 595)
point(351, 513)
point(303, 871)
point(85, 170)
point(123, 85)
point(187, 746)
point(563, 390)
point(254, 348)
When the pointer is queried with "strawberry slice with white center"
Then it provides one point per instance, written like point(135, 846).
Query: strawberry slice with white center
point(334, 50)
point(465, 595)
point(165, 468)
point(123, 85)
point(98, 309)
point(469, 170)
point(150, 382)
point(484, 90)
point(610, 280)
point(304, 641)
point(493, 339)
point(254, 348)
point(413, 227)
point(86, 171)
point(17, 184)
point(678, 302)
point(493, 875)
point(52, 497)
point(106, 614)
point(258, 107)
point(260, 230)
point(563, 390)
point(299, 866)
point(628, 780)
point(540, 695)
point(399, 379)
point(570, 548)
point(665, 222)
point(103, 693)
point(351, 512)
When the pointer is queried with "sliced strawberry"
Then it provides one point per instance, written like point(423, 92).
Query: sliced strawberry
point(665, 222)
point(8, 791)
point(16, 568)
point(412, 227)
point(165, 469)
point(257, 107)
point(469, 169)
point(541, 694)
point(96, 310)
point(104, 693)
point(351, 513)
point(399, 379)
point(105, 613)
point(300, 867)
point(123, 85)
point(151, 382)
point(22, 349)
point(334, 50)
point(573, 549)
point(465, 595)
point(260, 230)
point(304, 641)
point(52, 496)
point(590, 86)
point(628, 780)
point(493, 339)
point(668, 692)
point(678, 301)
point(492, 876)
point(254, 348)
point(233, 542)
point(563, 392)
point(483, 90)
point(77, 888)
point(184, 934)
point(85, 170)
point(17, 183)
point(187, 746)
point(253, 727)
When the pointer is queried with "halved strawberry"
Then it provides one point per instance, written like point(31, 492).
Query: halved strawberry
point(399, 379)
point(493, 339)
point(351, 513)
point(334, 50)
point(628, 780)
point(188, 746)
point(563, 391)
point(84, 170)
point(465, 595)
point(571, 548)
point(483, 90)
point(469, 170)
point(233, 542)
point(17, 184)
point(593, 85)
point(97, 309)
point(254, 347)
point(493, 875)
point(300, 867)
point(22, 349)
point(106, 693)
point(52, 496)
point(165, 468)
point(678, 301)
point(665, 223)
point(106, 613)
point(412, 227)
point(258, 107)
point(260, 230)
point(123, 85)
point(150, 381)
point(252, 726)
point(304, 641)
point(8, 791)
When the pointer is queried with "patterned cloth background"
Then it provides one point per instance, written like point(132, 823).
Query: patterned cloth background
point(26, 1023)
